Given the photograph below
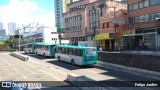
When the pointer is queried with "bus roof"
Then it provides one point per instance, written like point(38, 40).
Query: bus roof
point(76, 47)
point(45, 44)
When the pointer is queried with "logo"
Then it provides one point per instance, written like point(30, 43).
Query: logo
point(6, 84)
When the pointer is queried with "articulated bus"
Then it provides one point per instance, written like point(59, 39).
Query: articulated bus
point(29, 48)
point(78, 55)
point(45, 49)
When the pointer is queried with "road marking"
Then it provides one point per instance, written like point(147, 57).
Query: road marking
point(41, 78)
point(15, 69)
point(24, 76)
point(45, 72)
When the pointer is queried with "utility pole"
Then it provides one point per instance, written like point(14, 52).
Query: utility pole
point(115, 44)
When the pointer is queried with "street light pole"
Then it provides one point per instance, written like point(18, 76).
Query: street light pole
point(158, 31)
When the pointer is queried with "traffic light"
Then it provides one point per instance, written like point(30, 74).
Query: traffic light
point(16, 36)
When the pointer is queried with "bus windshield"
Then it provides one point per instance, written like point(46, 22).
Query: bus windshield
point(91, 51)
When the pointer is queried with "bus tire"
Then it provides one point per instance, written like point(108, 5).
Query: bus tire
point(36, 52)
point(44, 54)
point(59, 58)
point(29, 51)
point(72, 62)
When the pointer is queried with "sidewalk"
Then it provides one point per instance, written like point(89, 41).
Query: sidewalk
point(152, 53)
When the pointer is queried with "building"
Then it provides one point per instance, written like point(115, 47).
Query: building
point(100, 24)
point(74, 21)
point(1, 26)
point(143, 26)
point(11, 28)
point(2, 32)
point(58, 12)
point(82, 22)
point(65, 2)
point(107, 31)
point(46, 35)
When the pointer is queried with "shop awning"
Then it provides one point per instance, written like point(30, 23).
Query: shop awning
point(140, 34)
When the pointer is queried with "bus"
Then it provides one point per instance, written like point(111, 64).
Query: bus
point(45, 49)
point(77, 55)
point(29, 48)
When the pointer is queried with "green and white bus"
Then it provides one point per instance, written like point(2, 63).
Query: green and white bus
point(45, 49)
point(29, 48)
point(78, 55)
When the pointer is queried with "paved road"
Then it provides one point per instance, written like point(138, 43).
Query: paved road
point(44, 68)
point(13, 69)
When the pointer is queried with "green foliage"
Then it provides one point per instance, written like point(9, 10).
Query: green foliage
point(2, 44)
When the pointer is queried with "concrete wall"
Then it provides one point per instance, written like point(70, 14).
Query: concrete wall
point(147, 62)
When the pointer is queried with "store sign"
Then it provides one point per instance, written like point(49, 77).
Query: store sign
point(129, 32)
point(118, 20)
point(102, 36)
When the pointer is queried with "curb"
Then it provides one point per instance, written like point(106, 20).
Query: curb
point(137, 71)
point(20, 56)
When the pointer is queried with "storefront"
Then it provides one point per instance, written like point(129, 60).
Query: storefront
point(106, 42)
point(132, 41)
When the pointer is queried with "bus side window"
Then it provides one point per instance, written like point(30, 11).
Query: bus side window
point(71, 51)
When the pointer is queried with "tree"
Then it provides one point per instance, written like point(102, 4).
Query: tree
point(2, 44)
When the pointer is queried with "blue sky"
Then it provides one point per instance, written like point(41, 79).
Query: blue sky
point(27, 11)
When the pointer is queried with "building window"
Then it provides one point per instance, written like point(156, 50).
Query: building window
point(130, 7)
point(146, 3)
point(141, 4)
point(136, 19)
point(147, 18)
point(135, 6)
point(152, 17)
point(153, 2)
point(107, 25)
point(103, 25)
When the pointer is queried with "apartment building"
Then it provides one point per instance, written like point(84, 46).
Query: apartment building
point(82, 21)
point(75, 21)
point(143, 26)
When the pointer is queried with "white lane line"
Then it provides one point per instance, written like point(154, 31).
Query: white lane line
point(15, 69)
point(24, 76)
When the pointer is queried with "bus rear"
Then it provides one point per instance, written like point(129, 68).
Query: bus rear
point(90, 56)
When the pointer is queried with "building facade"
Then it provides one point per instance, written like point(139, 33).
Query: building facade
point(142, 16)
point(11, 28)
point(46, 35)
point(58, 12)
point(90, 12)
point(74, 22)
point(107, 35)
point(1, 26)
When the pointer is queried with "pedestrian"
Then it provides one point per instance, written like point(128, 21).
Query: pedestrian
point(100, 49)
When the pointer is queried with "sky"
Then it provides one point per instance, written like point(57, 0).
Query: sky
point(27, 11)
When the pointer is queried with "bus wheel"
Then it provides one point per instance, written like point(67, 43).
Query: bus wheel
point(29, 51)
point(44, 54)
point(36, 52)
point(58, 58)
point(72, 62)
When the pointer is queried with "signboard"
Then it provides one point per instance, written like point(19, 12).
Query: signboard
point(85, 43)
point(60, 29)
point(118, 20)
point(102, 36)
point(129, 32)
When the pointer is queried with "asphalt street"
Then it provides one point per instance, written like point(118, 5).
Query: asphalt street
point(50, 69)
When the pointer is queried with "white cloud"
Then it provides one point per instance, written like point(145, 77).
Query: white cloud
point(24, 12)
